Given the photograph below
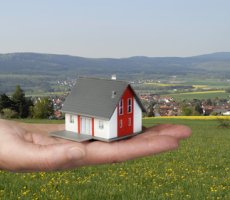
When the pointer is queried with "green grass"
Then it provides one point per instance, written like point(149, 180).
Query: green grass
point(211, 83)
point(199, 169)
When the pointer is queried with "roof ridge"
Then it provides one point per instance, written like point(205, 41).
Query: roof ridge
point(93, 96)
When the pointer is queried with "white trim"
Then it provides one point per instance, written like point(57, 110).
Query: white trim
point(102, 133)
point(86, 125)
point(113, 125)
point(83, 114)
point(137, 117)
point(71, 126)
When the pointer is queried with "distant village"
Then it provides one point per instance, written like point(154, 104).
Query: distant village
point(157, 105)
point(167, 106)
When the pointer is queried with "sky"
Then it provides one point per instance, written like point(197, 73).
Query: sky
point(115, 28)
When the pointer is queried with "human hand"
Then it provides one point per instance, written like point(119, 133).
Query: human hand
point(26, 147)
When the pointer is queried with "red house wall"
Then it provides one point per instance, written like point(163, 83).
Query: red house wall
point(125, 120)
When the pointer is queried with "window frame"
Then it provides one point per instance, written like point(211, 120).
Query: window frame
point(101, 124)
point(121, 107)
point(129, 105)
point(120, 123)
point(129, 121)
point(71, 119)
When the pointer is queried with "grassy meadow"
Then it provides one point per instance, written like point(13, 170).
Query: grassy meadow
point(199, 169)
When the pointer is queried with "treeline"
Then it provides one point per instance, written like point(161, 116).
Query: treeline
point(31, 84)
point(19, 106)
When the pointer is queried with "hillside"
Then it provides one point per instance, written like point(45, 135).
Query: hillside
point(45, 68)
point(31, 63)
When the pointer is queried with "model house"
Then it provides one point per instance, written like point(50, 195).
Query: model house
point(101, 109)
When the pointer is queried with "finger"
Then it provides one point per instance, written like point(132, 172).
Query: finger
point(29, 157)
point(101, 153)
point(41, 139)
point(178, 131)
point(41, 128)
point(9, 127)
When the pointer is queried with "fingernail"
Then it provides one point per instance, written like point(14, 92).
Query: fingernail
point(75, 153)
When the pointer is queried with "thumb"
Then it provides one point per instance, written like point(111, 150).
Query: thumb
point(31, 157)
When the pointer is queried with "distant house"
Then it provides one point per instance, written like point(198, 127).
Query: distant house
point(220, 111)
point(101, 109)
point(227, 113)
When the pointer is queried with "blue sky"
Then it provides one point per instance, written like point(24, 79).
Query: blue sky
point(115, 28)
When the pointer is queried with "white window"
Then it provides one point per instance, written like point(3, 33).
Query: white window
point(129, 105)
point(121, 123)
point(71, 119)
point(121, 107)
point(129, 121)
point(101, 124)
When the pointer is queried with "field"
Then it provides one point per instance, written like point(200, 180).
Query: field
point(200, 95)
point(187, 88)
point(200, 169)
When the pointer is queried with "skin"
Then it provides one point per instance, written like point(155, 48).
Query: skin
point(27, 148)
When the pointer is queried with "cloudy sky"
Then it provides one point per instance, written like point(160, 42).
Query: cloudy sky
point(115, 28)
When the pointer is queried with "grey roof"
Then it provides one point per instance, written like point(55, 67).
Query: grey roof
point(93, 97)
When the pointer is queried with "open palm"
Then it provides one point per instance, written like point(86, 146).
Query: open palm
point(26, 147)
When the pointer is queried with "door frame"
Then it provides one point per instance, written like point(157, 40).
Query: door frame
point(86, 125)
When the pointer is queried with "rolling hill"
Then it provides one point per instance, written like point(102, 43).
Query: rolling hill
point(38, 68)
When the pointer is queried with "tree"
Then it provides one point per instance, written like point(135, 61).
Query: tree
point(227, 90)
point(43, 108)
point(209, 102)
point(20, 102)
point(5, 102)
point(186, 111)
point(198, 109)
point(9, 113)
point(29, 107)
point(150, 109)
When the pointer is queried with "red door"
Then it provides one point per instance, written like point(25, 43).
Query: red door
point(125, 113)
